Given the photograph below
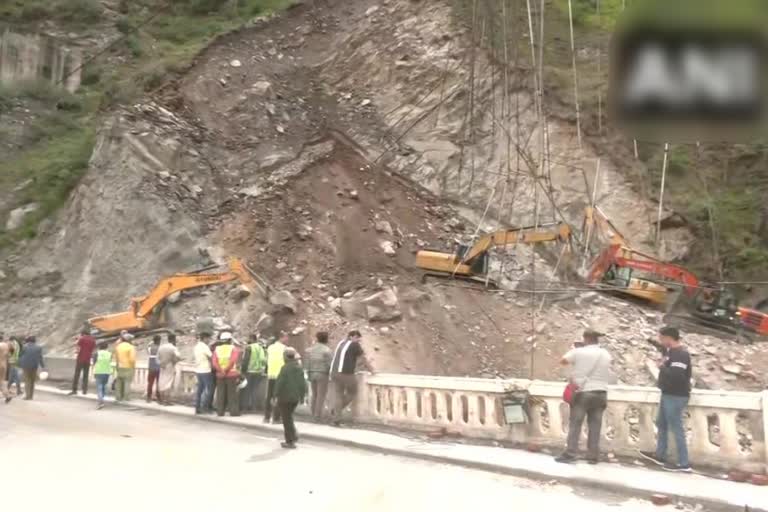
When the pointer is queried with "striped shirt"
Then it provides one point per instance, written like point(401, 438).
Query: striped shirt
point(345, 357)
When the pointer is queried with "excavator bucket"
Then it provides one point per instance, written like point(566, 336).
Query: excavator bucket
point(249, 278)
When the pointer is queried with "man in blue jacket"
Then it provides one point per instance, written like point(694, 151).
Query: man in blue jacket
point(31, 360)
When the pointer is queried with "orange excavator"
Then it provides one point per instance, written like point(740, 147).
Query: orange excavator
point(145, 314)
point(687, 300)
point(616, 268)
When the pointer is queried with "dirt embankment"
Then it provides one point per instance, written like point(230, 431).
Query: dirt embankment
point(266, 149)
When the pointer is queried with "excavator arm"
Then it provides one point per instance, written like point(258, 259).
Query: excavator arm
point(469, 263)
point(595, 219)
point(530, 235)
point(139, 317)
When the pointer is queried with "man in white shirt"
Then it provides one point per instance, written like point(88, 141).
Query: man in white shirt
point(203, 357)
point(590, 366)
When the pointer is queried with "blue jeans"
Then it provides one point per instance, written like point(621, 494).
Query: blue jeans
point(13, 377)
point(670, 416)
point(101, 385)
point(203, 393)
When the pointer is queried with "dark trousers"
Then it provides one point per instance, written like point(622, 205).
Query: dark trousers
point(271, 412)
point(226, 397)
point(319, 392)
point(289, 427)
point(30, 376)
point(203, 391)
point(590, 405)
point(248, 398)
point(212, 394)
point(81, 369)
point(152, 377)
point(345, 390)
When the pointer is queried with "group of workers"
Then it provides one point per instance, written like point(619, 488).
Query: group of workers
point(120, 365)
point(231, 376)
point(235, 374)
point(17, 360)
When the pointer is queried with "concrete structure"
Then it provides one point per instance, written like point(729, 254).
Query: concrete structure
point(726, 429)
point(33, 57)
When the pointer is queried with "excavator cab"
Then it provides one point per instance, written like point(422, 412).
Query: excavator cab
point(480, 264)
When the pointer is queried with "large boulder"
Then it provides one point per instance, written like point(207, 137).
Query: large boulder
point(382, 306)
point(352, 308)
point(285, 300)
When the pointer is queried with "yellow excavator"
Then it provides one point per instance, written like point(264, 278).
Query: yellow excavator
point(471, 262)
point(146, 313)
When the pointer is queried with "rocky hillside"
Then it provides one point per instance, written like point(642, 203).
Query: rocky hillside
point(325, 146)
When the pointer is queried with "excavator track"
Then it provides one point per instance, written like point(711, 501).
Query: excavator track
point(486, 283)
point(699, 325)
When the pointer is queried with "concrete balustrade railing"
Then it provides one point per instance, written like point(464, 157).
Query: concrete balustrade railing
point(726, 429)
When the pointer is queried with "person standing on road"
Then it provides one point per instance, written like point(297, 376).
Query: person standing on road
point(275, 362)
point(211, 397)
point(153, 373)
point(102, 369)
point(125, 361)
point(254, 364)
point(203, 366)
point(343, 367)
point(318, 368)
point(591, 374)
point(5, 356)
point(30, 362)
point(86, 344)
point(226, 362)
point(290, 390)
point(675, 375)
point(168, 356)
point(13, 365)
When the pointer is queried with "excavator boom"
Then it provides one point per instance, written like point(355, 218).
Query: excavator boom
point(143, 309)
point(470, 262)
point(595, 219)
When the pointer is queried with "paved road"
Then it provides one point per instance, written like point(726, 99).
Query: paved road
point(67, 455)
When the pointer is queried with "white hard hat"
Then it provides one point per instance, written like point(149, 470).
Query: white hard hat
point(43, 375)
point(243, 384)
point(225, 336)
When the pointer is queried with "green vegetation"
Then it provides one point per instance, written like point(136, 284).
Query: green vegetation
point(595, 14)
point(58, 143)
point(75, 13)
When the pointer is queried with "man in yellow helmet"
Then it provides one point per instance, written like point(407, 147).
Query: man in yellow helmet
point(226, 362)
point(275, 362)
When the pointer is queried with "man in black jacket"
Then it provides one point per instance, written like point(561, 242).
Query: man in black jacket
point(675, 384)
